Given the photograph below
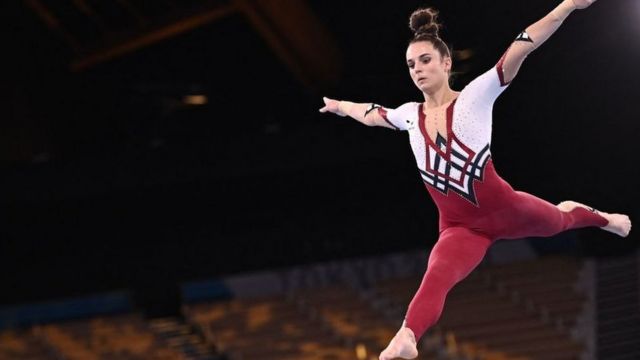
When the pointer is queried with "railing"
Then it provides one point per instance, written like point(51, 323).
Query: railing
point(618, 301)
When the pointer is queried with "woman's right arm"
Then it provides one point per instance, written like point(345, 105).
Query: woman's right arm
point(368, 114)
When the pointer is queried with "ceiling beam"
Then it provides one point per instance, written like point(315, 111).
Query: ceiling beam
point(297, 37)
point(153, 36)
point(289, 27)
point(53, 23)
point(88, 11)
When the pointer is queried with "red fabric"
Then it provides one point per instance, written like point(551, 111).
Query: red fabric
point(503, 213)
point(499, 66)
point(455, 255)
point(491, 210)
point(467, 231)
point(383, 113)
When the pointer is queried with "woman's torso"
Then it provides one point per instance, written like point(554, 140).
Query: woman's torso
point(451, 145)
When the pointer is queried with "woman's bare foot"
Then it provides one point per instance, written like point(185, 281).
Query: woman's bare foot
point(402, 346)
point(619, 224)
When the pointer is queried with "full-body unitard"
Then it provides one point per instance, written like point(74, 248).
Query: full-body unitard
point(476, 206)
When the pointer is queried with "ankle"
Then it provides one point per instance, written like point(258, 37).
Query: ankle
point(410, 334)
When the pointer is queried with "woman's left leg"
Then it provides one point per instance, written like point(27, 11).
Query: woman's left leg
point(533, 216)
point(618, 224)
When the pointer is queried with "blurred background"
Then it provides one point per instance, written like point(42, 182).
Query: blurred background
point(149, 145)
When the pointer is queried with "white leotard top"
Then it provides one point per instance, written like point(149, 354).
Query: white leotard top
point(453, 163)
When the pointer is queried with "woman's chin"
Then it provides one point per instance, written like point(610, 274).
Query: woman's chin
point(425, 88)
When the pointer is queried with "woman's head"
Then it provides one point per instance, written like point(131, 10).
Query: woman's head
point(428, 57)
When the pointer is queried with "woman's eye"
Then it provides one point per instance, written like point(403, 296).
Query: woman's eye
point(426, 60)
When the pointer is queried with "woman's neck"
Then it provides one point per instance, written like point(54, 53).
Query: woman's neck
point(440, 97)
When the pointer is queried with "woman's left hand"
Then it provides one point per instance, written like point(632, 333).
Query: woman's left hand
point(583, 4)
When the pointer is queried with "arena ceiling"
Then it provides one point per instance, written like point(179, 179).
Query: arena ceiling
point(182, 138)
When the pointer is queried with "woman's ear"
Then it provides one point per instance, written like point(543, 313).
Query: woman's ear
point(447, 64)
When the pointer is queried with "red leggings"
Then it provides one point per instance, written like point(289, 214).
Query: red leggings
point(459, 250)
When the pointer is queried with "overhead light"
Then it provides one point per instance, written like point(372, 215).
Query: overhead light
point(361, 352)
point(463, 55)
point(195, 99)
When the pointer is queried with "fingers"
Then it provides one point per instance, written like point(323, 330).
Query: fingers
point(327, 104)
point(582, 4)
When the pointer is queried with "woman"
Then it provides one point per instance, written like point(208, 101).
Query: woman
point(450, 133)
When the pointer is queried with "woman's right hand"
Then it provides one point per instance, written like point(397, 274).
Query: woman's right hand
point(332, 106)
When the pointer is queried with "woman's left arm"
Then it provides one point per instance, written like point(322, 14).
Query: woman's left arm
point(535, 35)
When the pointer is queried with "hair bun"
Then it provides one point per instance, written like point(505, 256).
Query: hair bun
point(424, 21)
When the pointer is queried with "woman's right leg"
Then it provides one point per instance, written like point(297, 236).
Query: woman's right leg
point(455, 255)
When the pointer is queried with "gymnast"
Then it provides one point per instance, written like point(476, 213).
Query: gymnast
point(450, 135)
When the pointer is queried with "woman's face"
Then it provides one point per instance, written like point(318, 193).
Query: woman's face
point(428, 69)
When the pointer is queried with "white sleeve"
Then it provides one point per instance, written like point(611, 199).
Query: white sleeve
point(401, 118)
point(472, 120)
point(487, 87)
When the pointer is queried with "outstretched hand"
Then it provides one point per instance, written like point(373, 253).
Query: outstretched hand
point(583, 4)
point(332, 106)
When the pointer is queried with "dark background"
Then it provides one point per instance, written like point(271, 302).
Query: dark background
point(109, 182)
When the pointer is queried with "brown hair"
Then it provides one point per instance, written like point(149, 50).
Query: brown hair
point(424, 24)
